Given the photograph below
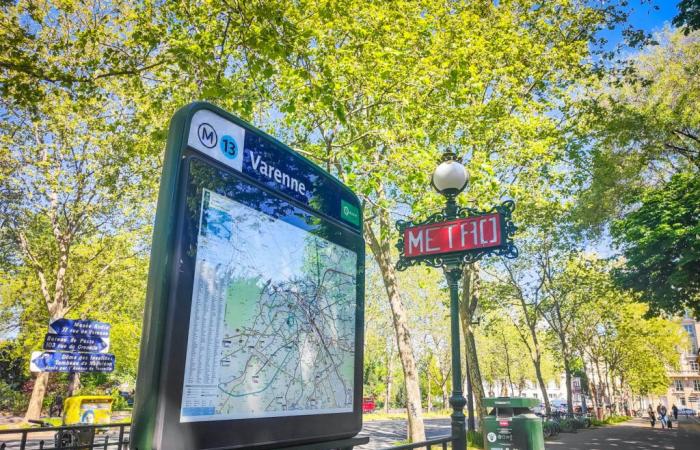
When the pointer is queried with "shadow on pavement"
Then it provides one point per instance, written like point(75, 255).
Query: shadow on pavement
point(636, 434)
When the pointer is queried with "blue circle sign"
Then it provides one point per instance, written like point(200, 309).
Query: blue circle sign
point(229, 147)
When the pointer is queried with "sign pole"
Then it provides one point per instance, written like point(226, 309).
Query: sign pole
point(457, 400)
point(450, 239)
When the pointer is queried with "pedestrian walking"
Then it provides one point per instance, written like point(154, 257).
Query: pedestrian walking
point(661, 411)
point(652, 416)
point(674, 408)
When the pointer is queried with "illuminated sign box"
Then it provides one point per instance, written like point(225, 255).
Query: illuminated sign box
point(453, 236)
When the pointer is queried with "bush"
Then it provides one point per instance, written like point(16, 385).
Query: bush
point(475, 439)
point(12, 400)
point(610, 420)
point(119, 403)
point(568, 425)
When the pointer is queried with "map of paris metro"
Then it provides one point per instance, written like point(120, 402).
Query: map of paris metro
point(253, 331)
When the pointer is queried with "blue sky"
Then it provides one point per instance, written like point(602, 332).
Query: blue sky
point(644, 16)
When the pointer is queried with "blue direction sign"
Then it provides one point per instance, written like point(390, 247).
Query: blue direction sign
point(69, 327)
point(71, 362)
point(76, 343)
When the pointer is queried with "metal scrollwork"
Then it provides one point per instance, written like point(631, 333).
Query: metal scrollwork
point(506, 250)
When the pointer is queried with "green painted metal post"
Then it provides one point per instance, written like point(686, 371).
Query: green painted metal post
point(453, 273)
point(457, 400)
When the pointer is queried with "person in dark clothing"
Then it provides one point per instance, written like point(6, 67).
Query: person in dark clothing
point(674, 408)
point(652, 416)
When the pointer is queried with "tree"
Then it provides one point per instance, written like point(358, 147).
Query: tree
point(568, 287)
point(70, 213)
point(640, 127)
point(660, 242)
point(521, 295)
point(621, 349)
point(688, 16)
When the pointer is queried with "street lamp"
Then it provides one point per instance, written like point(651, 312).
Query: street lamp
point(449, 239)
point(449, 179)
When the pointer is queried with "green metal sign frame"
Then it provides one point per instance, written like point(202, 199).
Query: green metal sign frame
point(297, 181)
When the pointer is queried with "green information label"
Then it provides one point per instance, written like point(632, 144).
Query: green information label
point(349, 212)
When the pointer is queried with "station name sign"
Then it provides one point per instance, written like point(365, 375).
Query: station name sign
point(454, 236)
point(269, 163)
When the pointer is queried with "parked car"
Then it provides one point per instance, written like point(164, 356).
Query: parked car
point(368, 405)
point(683, 411)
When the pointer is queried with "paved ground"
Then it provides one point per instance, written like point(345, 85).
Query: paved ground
point(636, 434)
point(385, 433)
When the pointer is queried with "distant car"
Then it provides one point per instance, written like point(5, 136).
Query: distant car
point(686, 412)
point(368, 405)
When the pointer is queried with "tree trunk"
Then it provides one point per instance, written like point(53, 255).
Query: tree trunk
point(476, 380)
point(381, 248)
point(430, 402)
point(467, 308)
point(507, 355)
point(540, 380)
point(41, 382)
point(73, 383)
point(445, 397)
point(569, 393)
point(389, 379)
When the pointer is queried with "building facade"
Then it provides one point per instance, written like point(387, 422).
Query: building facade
point(685, 382)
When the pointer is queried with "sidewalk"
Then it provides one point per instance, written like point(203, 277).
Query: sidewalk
point(636, 434)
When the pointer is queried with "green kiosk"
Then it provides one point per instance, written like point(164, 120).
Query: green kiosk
point(253, 328)
point(511, 425)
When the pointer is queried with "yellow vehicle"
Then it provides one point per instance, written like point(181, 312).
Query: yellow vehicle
point(83, 410)
point(87, 410)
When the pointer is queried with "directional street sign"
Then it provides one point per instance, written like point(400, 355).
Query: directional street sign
point(76, 343)
point(68, 327)
point(71, 362)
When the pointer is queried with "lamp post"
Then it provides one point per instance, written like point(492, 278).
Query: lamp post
point(449, 179)
point(449, 239)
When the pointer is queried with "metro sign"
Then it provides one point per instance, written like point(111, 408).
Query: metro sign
point(459, 235)
point(466, 237)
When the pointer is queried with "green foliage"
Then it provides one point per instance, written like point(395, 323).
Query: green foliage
point(475, 439)
point(640, 126)
point(688, 15)
point(12, 364)
point(11, 399)
point(610, 420)
point(119, 403)
point(661, 245)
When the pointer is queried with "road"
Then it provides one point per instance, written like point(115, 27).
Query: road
point(386, 433)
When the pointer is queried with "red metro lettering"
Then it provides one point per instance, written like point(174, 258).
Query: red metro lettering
point(454, 236)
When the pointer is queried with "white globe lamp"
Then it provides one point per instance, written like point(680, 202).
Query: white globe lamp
point(450, 177)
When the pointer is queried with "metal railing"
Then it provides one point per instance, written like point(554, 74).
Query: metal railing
point(77, 437)
point(116, 437)
point(443, 441)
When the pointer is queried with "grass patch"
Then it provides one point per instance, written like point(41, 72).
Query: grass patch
point(371, 417)
point(610, 420)
point(16, 426)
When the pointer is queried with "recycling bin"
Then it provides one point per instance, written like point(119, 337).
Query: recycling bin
point(511, 425)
